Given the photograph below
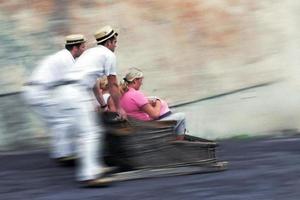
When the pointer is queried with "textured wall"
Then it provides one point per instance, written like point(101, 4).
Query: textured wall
point(196, 47)
point(187, 49)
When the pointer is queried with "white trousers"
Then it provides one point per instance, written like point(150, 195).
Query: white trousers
point(78, 105)
point(47, 106)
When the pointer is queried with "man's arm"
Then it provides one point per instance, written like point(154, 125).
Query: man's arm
point(115, 93)
point(98, 93)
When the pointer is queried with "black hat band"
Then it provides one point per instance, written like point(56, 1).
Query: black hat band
point(106, 36)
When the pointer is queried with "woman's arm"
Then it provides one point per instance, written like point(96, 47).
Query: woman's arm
point(152, 110)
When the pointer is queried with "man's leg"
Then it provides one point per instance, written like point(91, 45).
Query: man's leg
point(42, 103)
point(78, 105)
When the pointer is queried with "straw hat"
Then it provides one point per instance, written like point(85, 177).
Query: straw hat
point(104, 34)
point(75, 39)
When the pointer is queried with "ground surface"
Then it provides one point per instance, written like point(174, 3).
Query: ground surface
point(260, 168)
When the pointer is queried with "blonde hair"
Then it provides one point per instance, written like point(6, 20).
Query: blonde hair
point(103, 83)
point(132, 74)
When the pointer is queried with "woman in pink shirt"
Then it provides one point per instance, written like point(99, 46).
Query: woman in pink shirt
point(138, 106)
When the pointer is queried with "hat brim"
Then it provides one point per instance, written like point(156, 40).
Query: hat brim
point(104, 38)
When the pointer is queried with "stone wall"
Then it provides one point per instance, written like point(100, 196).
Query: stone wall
point(187, 49)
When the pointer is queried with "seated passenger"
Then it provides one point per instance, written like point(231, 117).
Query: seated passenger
point(138, 106)
point(164, 108)
point(102, 95)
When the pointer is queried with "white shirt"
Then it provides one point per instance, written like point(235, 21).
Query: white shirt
point(53, 68)
point(105, 97)
point(92, 64)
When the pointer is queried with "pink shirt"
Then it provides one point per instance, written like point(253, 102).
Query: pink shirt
point(132, 102)
point(164, 107)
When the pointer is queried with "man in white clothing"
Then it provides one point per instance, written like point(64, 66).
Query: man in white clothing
point(39, 95)
point(77, 92)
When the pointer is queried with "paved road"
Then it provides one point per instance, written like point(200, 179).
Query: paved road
point(260, 168)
